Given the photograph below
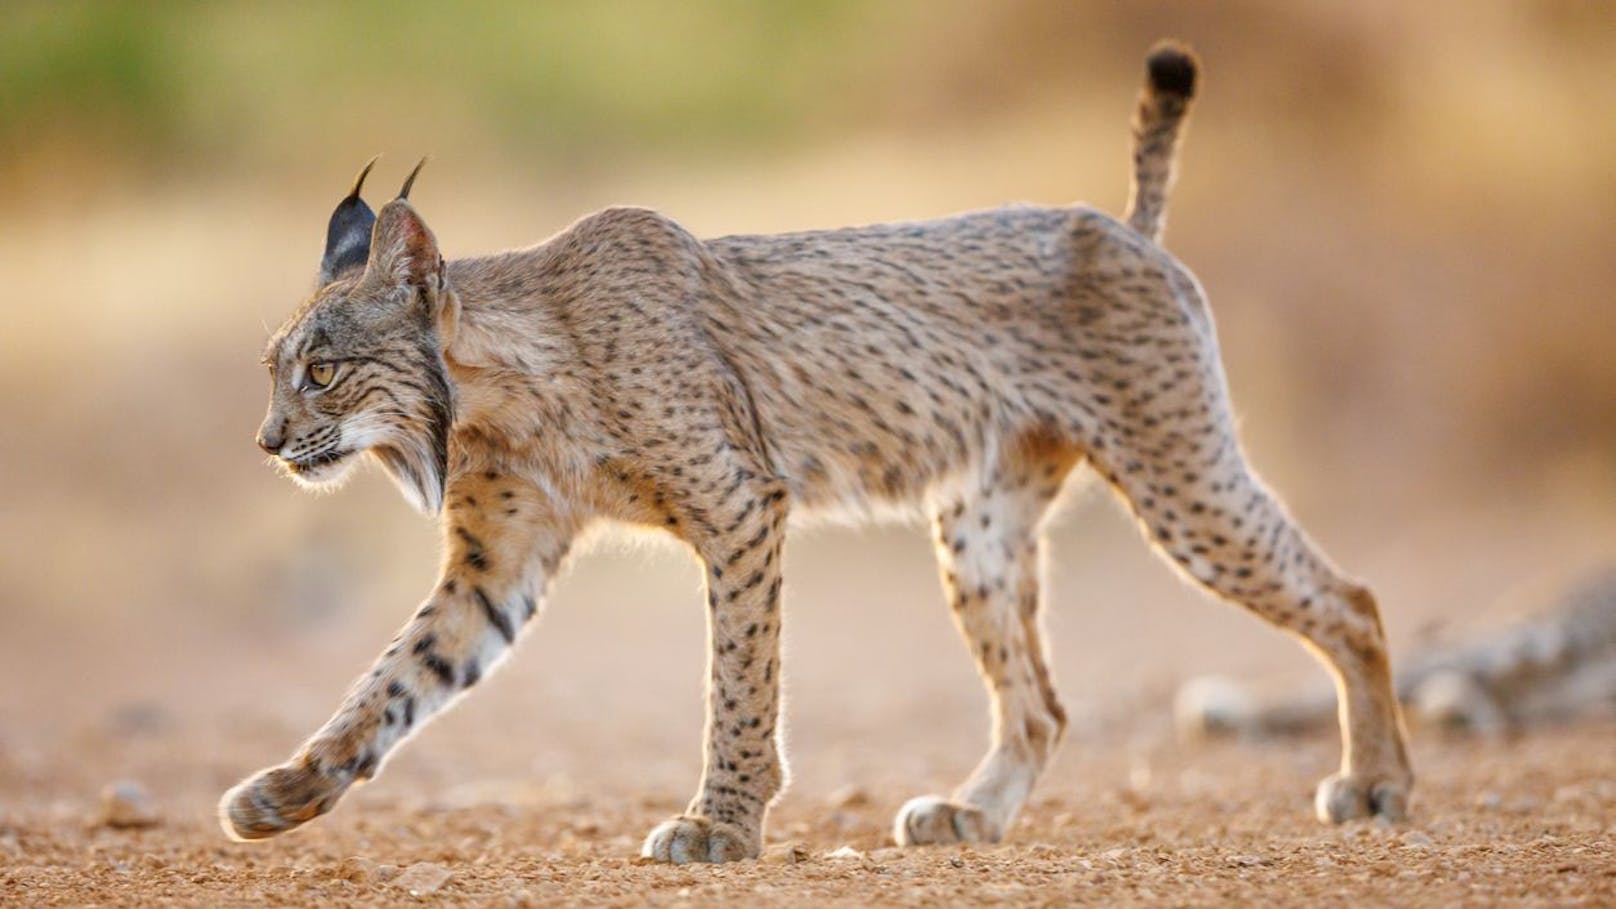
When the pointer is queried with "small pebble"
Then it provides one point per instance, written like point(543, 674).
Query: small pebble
point(784, 854)
point(125, 805)
point(422, 878)
point(357, 869)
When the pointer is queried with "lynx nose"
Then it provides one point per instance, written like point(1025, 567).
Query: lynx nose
point(271, 436)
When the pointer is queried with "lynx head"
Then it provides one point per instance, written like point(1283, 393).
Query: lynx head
point(359, 366)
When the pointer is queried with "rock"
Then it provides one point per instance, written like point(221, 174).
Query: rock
point(784, 854)
point(125, 805)
point(358, 869)
point(1416, 839)
point(1211, 707)
point(422, 878)
point(845, 853)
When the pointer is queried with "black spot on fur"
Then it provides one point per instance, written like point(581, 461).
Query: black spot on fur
point(439, 667)
point(496, 616)
point(476, 557)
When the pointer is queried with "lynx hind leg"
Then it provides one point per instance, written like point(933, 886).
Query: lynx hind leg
point(988, 547)
point(1204, 509)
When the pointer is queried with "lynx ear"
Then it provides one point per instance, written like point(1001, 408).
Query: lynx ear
point(403, 253)
point(402, 248)
point(347, 237)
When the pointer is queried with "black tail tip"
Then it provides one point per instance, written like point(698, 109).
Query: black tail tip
point(1172, 67)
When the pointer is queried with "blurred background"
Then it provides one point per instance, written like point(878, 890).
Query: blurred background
point(1403, 214)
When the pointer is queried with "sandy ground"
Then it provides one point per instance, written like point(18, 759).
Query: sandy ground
point(1514, 823)
point(537, 790)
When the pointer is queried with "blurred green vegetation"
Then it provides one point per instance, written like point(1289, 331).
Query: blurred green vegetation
point(174, 84)
point(72, 66)
point(215, 78)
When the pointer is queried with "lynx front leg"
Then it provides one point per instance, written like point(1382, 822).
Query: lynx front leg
point(505, 541)
point(742, 770)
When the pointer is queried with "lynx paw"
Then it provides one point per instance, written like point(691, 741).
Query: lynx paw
point(1341, 798)
point(276, 800)
point(692, 838)
point(929, 819)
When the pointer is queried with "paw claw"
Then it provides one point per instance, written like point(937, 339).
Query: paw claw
point(1342, 798)
point(692, 838)
point(276, 800)
point(931, 819)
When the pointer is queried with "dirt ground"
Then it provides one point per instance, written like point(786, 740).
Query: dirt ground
point(1516, 823)
point(537, 790)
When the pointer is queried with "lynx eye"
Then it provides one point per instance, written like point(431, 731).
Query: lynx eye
point(319, 375)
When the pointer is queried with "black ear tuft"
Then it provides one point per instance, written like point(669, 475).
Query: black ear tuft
point(410, 180)
point(347, 237)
